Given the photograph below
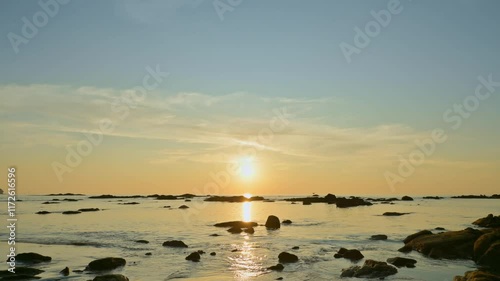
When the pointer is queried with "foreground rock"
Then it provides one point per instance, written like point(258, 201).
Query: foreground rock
point(111, 277)
point(273, 222)
point(478, 275)
point(285, 257)
point(371, 269)
point(352, 255)
point(106, 264)
point(489, 221)
point(32, 258)
point(351, 202)
point(195, 256)
point(487, 249)
point(21, 271)
point(240, 224)
point(175, 244)
point(402, 262)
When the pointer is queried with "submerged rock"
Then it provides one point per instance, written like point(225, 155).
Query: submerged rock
point(285, 257)
point(402, 262)
point(287, 222)
point(71, 212)
point(352, 255)
point(32, 258)
point(379, 237)
point(21, 271)
point(273, 222)
point(233, 199)
point(195, 256)
point(371, 269)
point(43, 213)
point(89, 210)
point(111, 277)
point(106, 264)
point(250, 230)
point(175, 244)
point(142, 241)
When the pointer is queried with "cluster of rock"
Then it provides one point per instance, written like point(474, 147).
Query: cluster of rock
point(233, 199)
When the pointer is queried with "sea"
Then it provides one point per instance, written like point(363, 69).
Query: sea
point(319, 230)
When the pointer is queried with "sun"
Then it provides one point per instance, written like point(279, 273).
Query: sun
point(247, 195)
point(247, 168)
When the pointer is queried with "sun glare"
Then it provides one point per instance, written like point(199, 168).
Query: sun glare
point(247, 168)
point(247, 195)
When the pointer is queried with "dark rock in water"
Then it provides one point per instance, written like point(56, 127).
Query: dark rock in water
point(111, 277)
point(394, 214)
point(415, 235)
point(71, 212)
point(201, 252)
point(273, 222)
point(402, 262)
point(490, 221)
point(89, 210)
point(233, 199)
point(405, 249)
point(108, 196)
point(447, 245)
point(406, 198)
point(183, 207)
point(20, 271)
point(278, 267)
point(215, 235)
point(240, 224)
point(371, 269)
point(379, 237)
point(478, 275)
point(50, 202)
point(43, 212)
point(149, 254)
point(285, 257)
point(439, 228)
point(142, 241)
point(353, 255)
point(194, 257)
point(351, 202)
point(78, 271)
point(175, 244)
point(65, 271)
point(250, 230)
point(130, 203)
point(235, 230)
point(19, 276)
point(32, 258)
point(166, 197)
point(187, 200)
point(494, 196)
point(296, 248)
point(306, 203)
point(279, 278)
point(235, 250)
point(167, 207)
point(287, 222)
point(433, 197)
point(106, 264)
point(213, 253)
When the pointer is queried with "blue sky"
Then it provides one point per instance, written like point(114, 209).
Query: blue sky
point(424, 61)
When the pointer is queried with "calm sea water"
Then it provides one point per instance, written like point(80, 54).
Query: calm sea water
point(319, 230)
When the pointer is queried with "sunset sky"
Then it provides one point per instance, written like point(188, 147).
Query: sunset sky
point(266, 86)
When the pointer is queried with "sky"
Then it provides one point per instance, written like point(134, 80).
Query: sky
point(349, 97)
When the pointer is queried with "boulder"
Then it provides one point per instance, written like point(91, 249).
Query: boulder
point(106, 264)
point(213, 253)
point(250, 230)
point(491, 257)
point(402, 262)
point(273, 222)
point(32, 258)
point(415, 235)
point(183, 207)
point(490, 221)
point(240, 224)
point(42, 212)
point(235, 230)
point(175, 244)
point(379, 237)
point(285, 257)
point(111, 277)
point(142, 241)
point(23, 271)
point(478, 275)
point(407, 198)
point(278, 267)
point(352, 255)
point(351, 202)
point(195, 257)
point(287, 222)
point(296, 248)
point(371, 269)
point(65, 271)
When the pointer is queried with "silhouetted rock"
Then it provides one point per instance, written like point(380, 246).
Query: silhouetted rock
point(111, 277)
point(43, 212)
point(109, 196)
point(415, 235)
point(439, 228)
point(478, 275)
point(352, 255)
point(250, 230)
point(175, 244)
point(296, 248)
point(89, 210)
point(166, 197)
point(330, 198)
point(142, 241)
point(106, 264)
point(235, 230)
point(394, 214)
point(213, 253)
point(183, 207)
point(32, 258)
point(494, 196)
point(433, 197)
point(20, 272)
point(285, 257)
point(65, 194)
point(240, 224)
point(406, 198)
point(233, 199)
point(487, 249)
point(306, 203)
point(402, 262)
point(371, 269)
point(149, 254)
point(65, 271)
point(70, 200)
point(195, 256)
point(129, 203)
point(278, 267)
point(489, 221)
point(273, 222)
point(50, 202)
point(351, 202)
point(287, 222)
point(71, 212)
point(379, 237)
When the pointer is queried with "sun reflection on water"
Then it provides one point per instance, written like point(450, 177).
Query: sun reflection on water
point(247, 211)
point(246, 264)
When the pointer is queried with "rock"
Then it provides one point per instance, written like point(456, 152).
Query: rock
point(71, 212)
point(448, 245)
point(407, 198)
point(478, 275)
point(378, 237)
point(279, 278)
point(273, 222)
point(250, 230)
point(183, 207)
point(175, 244)
point(405, 249)
point(418, 234)
point(240, 224)
point(352, 202)
point(43, 213)
point(439, 228)
point(491, 257)
point(111, 277)
point(89, 210)
point(201, 252)
point(215, 235)
point(50, 202)
point(213, 253)
point(278, 267)
point(353, 255)
point(129, 203)
point(149, 254)
point(195, 256)
point(65, 271)
point(490, 221)
point(394, 214)
point(142, 241)
point(285, 257)
point(19, 276)
point(23, 271)
point(296, 248)
point(402, 262)
point(371, 269)
point(287, 222)
point(234, 199)
point(306, 203)
point(235, 230)
point(433, 197)
point(32, 258)
point(166, 197)
point(106, 264)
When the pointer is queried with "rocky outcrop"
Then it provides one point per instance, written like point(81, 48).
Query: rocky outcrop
point(65, 271)
point(287, 222)
point(478, 275)
point(285, 257)
point(371, 269)
point(351, 202)
point(402, 262)
point(175, 244)
point(106, 264)
point(352, 255)
point(489, 221)
point(494, 196)
point(235, 230)
point(183, 207)
point(273, 222)
point(278, 267)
